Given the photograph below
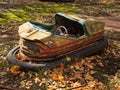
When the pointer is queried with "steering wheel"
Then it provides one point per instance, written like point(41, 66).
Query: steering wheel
point(62, 30)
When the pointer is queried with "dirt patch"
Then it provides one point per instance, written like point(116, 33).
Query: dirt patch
point(111, 23)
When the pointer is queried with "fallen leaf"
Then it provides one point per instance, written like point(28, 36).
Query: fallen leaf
point(15, 70)
point(54, 76)
point(61, 78)
point(118, 88)
point(37, 80)
point(91, 84)
point(89, 65)
point(92, 72)
point(77, 66)
point(55, 70)
point(88, 77)
point(22, 74)
point(62, 66)
point(68, 58)
point(28, 84)
point(76, 84)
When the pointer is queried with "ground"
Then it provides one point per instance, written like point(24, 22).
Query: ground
point(100, 71)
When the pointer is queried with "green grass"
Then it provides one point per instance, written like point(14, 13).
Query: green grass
point(40, 9)
point(8, 17)
point(12, 43)
point(22, 14)
point(28, 12)
point(3, 64)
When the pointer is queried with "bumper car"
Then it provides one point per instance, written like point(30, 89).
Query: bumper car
point(46, 46)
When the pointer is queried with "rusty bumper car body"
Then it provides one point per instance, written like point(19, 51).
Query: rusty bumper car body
point(46, 46)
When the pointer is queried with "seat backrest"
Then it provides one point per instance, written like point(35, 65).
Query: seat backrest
point(62, 20)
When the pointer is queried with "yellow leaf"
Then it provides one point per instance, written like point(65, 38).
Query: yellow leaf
point(68, 58)
point(77, 66)
point(54, 76)
point(91, 84)
point(61, 78)
point(15, 67)
point(15, 70)
point(89, 65)
point(88, 77)
point(76, 84)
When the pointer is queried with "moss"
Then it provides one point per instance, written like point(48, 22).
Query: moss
point(47, 14)
point(28, 12)
point(21, 14)
point(56, 9)
point(3, 21)
point(110, 5)
point(90, 8)
point(9, 17)
point(13, 15)
point(29, 8)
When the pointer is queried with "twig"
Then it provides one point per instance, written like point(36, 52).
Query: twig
point(76, 87)
point(7, 88)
